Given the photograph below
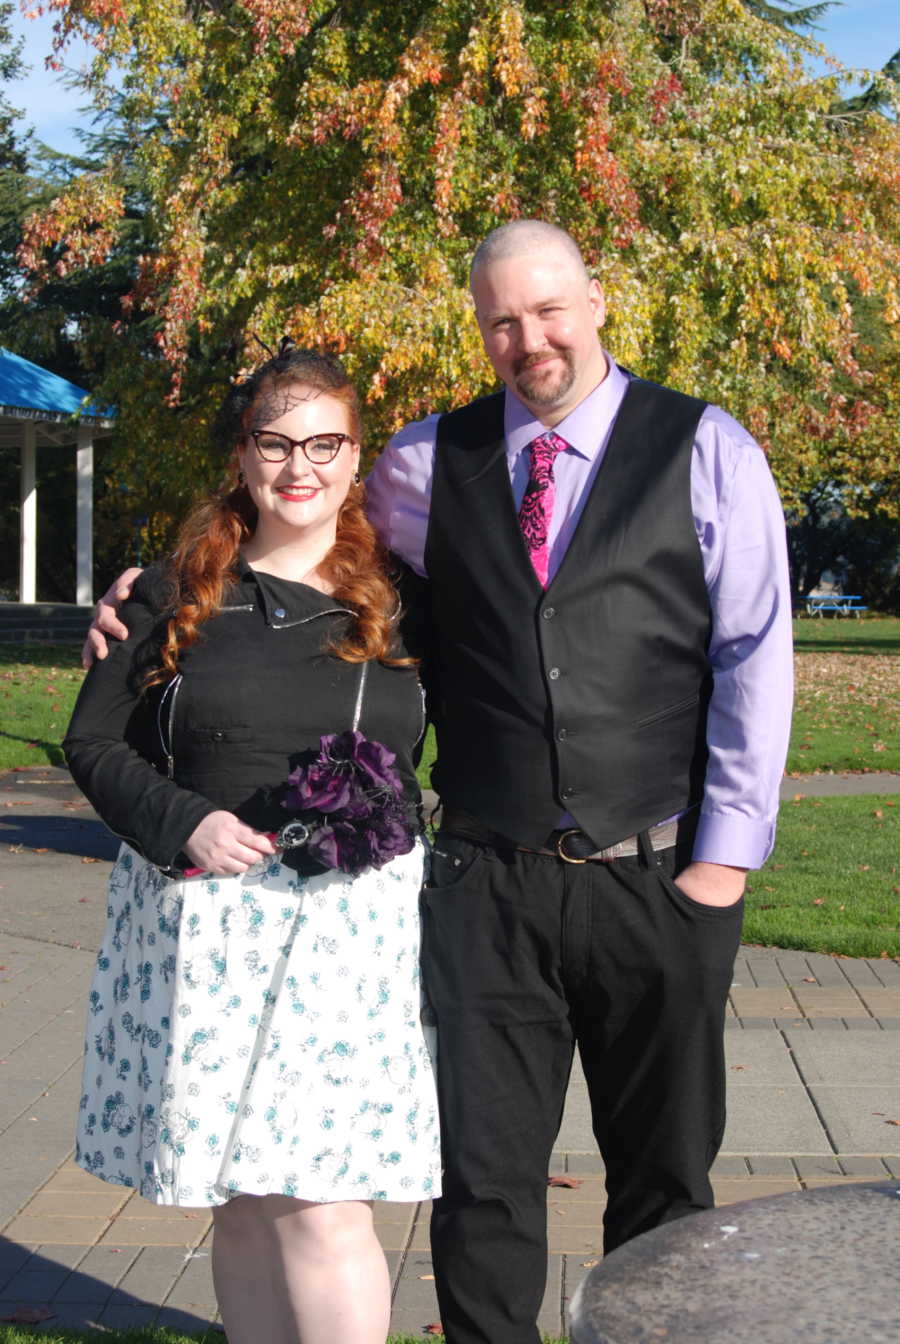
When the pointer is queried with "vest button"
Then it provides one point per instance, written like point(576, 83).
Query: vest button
point(569, 793)
point(218, 735)
point(548, 613)
point(562, 734)
point(279, 613)
point(553, 673)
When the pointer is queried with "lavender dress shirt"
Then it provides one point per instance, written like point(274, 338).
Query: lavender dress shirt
point(740, 531)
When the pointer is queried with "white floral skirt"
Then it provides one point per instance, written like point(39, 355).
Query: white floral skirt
point(260, 1034)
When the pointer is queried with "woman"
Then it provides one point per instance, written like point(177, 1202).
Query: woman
point(253, 1036)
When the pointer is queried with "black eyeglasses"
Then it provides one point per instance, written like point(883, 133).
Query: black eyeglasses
point(318, 448)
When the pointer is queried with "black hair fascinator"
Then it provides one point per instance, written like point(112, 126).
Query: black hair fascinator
point(285, 346)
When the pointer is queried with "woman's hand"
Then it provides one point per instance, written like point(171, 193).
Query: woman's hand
point(224, 845)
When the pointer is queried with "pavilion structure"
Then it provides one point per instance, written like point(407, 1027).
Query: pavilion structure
point(39, 409)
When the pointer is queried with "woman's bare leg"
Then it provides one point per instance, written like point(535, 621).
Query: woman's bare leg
point(290, 1272)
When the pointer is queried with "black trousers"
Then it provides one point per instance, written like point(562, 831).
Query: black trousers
point(523, 957)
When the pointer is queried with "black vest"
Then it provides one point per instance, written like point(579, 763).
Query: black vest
point(590, 697)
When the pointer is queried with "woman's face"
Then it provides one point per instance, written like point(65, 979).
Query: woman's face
point(297, 495)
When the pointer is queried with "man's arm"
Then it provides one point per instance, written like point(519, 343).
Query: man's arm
point(106, 623)
point(398, 492)
point(741, 529)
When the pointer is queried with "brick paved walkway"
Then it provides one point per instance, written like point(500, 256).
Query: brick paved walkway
point(813, 1047)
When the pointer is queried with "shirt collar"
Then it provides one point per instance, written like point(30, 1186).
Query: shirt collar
point(585, 429)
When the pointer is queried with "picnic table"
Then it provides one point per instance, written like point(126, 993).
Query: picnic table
point(842, 604)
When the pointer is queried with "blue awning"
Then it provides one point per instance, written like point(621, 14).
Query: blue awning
point(29, 392)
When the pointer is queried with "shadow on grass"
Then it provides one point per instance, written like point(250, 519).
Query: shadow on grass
point(53, 749)
point(837, 645)
point(40, 655)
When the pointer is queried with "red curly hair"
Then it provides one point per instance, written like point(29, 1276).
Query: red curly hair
point(201, 568)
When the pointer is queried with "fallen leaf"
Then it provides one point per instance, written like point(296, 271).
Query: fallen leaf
point(589, 1264)
point(82, 900)
point(567, 1182)
point(87, 860)
point(878, 813)
point(892, 1122)
point(864, 867)
point(41, 849)
point(820, 900)
point(737, 1068)
point(810, 980)
point(435, 1328)
point(426, 1278)
point(29, 1315)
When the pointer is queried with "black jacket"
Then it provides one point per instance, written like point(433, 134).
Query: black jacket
point(256, 694)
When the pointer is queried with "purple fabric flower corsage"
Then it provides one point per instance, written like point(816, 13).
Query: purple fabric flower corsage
point(362, 820)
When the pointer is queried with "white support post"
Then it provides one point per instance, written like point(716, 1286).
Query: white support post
point(84, 527)
point(28, 514)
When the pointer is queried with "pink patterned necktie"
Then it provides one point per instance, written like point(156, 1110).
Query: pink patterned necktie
point(536, 508)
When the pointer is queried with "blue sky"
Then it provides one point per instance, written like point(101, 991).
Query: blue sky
point(861, 33)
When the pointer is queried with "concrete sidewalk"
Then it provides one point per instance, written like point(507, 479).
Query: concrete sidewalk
point(813, 1047)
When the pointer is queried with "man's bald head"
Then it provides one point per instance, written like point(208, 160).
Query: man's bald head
point(538, 312)
point(521, 237)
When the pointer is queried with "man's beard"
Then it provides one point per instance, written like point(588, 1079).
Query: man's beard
point(543, 387)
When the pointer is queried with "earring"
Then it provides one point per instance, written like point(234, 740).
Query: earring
point(241, 478)
point(356, 478)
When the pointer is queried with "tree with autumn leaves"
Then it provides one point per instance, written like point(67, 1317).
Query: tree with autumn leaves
point(324, 169)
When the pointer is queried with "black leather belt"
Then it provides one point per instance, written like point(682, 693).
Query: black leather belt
point(572, 846)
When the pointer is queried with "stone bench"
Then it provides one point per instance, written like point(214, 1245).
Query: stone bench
point(810, 1267)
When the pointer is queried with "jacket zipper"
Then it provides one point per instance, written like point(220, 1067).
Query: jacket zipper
point(424, 715)
point(167, 740)
point(304, 620)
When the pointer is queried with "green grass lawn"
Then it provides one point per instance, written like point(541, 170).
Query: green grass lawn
point(847, 699)
point(38, 686)
point(833, 882)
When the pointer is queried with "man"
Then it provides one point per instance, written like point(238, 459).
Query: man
point(610, 661)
